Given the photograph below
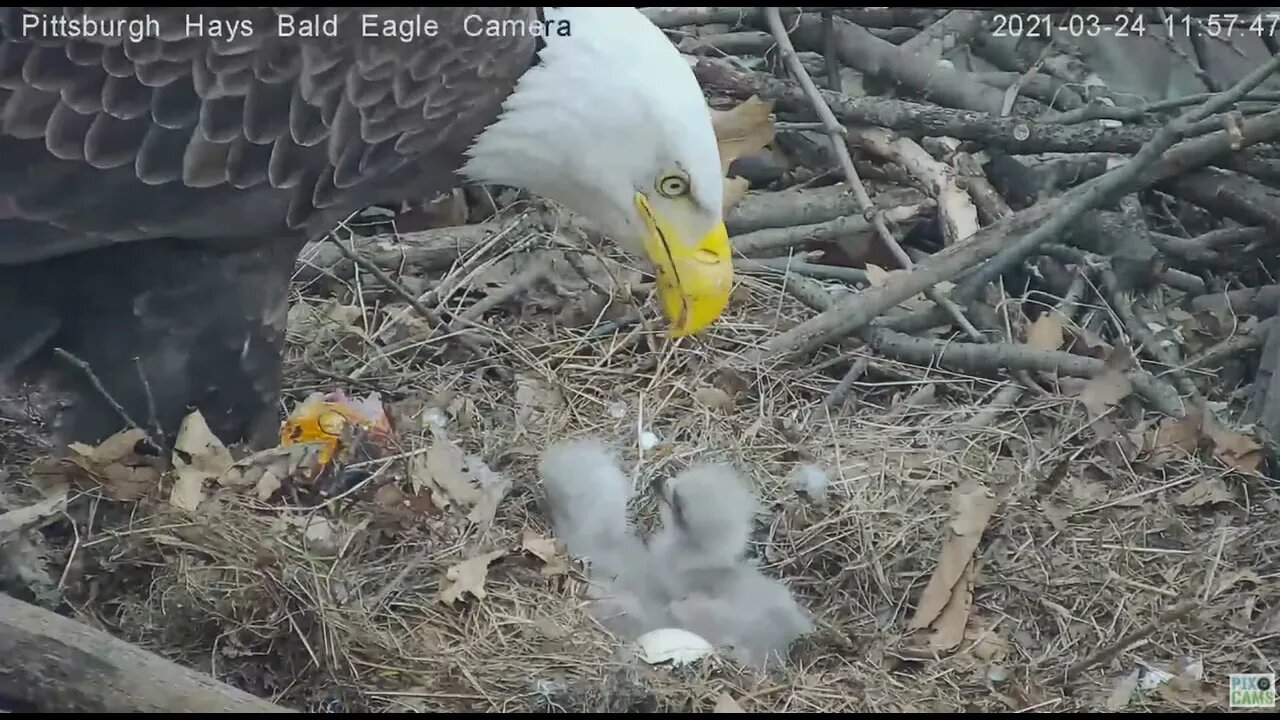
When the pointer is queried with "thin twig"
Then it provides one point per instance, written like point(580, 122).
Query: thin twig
point(1174, 613)
point(836, 398)
point(831, 56)
point(153, 416)
point(1227, 348)
point(92, 377)
point(427, 313)
point(800, 267)
point(1140, 112)
point(1122, 305)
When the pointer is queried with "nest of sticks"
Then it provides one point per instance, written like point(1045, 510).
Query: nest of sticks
point(998, 364)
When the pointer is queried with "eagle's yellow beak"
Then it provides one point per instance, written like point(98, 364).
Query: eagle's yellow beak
point(694, 279)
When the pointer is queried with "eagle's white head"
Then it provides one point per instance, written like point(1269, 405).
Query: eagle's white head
point(612, 124)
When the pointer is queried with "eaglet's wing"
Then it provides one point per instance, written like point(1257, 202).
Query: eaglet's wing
point(106, 139)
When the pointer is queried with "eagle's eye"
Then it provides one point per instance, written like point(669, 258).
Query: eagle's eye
point(673, 186)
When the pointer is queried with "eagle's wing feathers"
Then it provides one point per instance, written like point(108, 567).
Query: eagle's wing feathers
point(105, 138)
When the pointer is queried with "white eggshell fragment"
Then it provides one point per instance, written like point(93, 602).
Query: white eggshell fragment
point(672, 645)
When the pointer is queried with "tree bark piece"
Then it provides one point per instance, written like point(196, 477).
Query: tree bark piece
point(1260, 301)
point(60, 665)
point(806, 206)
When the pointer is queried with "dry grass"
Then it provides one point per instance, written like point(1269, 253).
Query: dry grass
point(1087, 544)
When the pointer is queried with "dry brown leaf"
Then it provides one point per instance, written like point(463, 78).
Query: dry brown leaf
point(1046, 332)
point(320, 534)
point(444, 469)
point(113, 464)
point(714, 398)
point(553, 563)
point(468, 576)
point(731, 382)
point(301, 460)
point(405, 509)
point(1056, 513)
point(128, 482)
point(876, 275)
point(726, 704)
point(188, 489)
point(534, 394)
point(1235, 577)
point(743, 130)
point(1205, 492)
point(456, 479)
point(584, 309)
point(114, 449)
point(948, 631)
point(1175, 437)
point(267, 485)
point(989, 646)
point(197, 447)
point(492, 489)
point(972, 509)
point(389, 497)
point(198, 455)
point(735, 188)
point(1104, 390)
point(1089, 344)
point(1235, 449)
point(1122, 694)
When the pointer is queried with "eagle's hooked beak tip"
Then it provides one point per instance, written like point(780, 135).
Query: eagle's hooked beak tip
point(694, 279)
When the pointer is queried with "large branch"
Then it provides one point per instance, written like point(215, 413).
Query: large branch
point(59, 665)
point(1013, 135)
point(1011, 236)
point(919, 73)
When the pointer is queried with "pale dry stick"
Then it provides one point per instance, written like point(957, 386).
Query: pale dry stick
point(439, 292)
point(836, 398)
point(802, 267)
point(1174, 613)
point(1122, 304)
point(92, 377)
point(835, 134)
point(519, 283)
point(1011, 93)
point(1103, 112)
point(799, 126)
point(427, 313)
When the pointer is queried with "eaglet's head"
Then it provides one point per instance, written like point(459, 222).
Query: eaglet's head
point(612, 124)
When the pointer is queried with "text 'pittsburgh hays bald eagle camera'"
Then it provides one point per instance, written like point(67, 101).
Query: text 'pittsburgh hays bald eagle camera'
point(156, 189)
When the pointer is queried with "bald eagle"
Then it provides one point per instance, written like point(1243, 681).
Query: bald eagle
point(161, 168)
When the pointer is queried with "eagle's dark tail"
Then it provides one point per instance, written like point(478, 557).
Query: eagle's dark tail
point(148, 330)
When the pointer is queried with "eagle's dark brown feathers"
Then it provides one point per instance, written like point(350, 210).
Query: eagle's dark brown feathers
point(110, 139)
point(155, 193)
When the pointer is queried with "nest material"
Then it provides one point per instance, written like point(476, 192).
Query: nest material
point(1080, 549)
point(977, 546)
